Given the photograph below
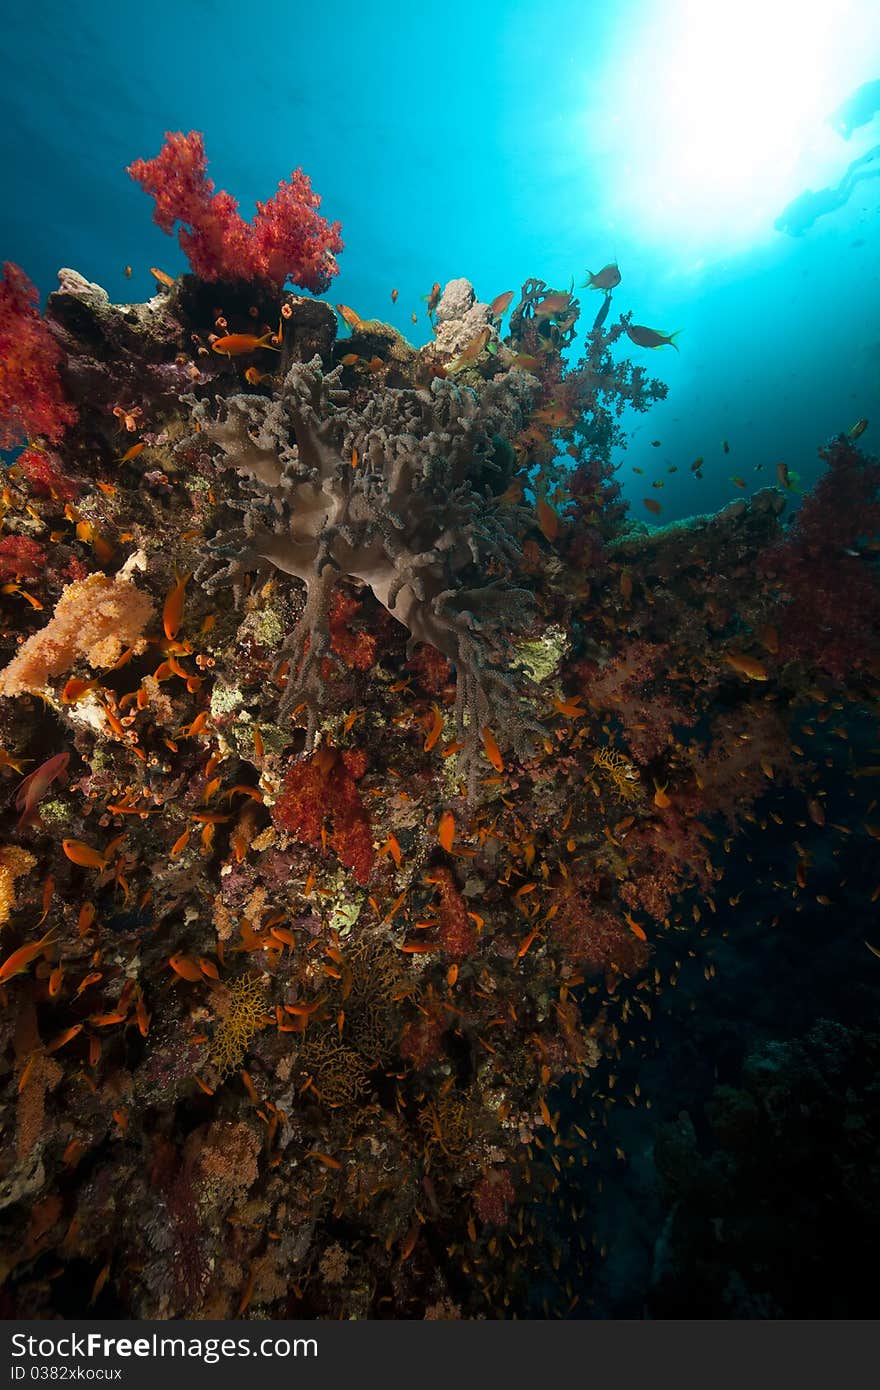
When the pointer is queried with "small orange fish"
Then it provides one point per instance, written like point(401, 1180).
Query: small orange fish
point(186, 968)
point(634, 927)
point(548, 519)
point(392, 847)
point(660, 797)
point(64, 1037)
point(103, 1276)
point(132, 453)
point(237, 344)
point(349, 316)
point(409, 1243)
point(86, 856)
point(76, 690)
point(127, 272)
point(34, 787)
point(500, 304)
point(15, 764)
point(737, 481)
point(180, 844)
point(253, 376)
point(172, 611)
point(652, 505)
point(493, 752)
point(394, 296)
point(143, 1018)
point(17, 589)
point(746, 666)
point(553, 304)
point(162, 278)
point(605, 279)
point(472, 351)
point(349, 359)
point(435, 731)
point(650, 337)
point(108, 1020)
point(526, 943)
point(433, 299)
point(327, 1159)
point(19, 961)
point(446, 830)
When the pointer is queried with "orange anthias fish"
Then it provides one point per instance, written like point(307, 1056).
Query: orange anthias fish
point(253, 376)
point(500, 304)
point(493, 752)
point(472, 351)
point(349, 316)
point(650, 337)
point(132, 453)
point(746, 666)
point(553, 304)
point(186, 968)
point(653, 505)
point(548, 519)
point(172, 611)
point(394, 296)
point(433, 299)
point(604, 279)
point(21, 959)
point(36, 784)
point(446, 830)
point(236, 344)
point(162, 277)
point(86, 856)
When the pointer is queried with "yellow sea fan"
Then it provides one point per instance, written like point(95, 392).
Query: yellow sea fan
point(246, 1017)
point(620, 770)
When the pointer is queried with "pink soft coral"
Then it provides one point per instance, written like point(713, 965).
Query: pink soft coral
point(31, 396)
point(287, 240)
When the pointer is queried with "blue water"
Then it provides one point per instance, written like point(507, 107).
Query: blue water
point(539, 138)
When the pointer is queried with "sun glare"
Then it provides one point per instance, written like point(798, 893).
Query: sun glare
point(714, 115)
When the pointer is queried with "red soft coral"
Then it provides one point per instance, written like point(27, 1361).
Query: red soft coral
point(31, 396)
point(21, 558)
point(326, 787)
point(287, 240)
point(457, 933)
point(46, 477)
point(828, 614)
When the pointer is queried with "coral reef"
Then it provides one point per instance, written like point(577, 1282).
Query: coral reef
point(377, 760)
